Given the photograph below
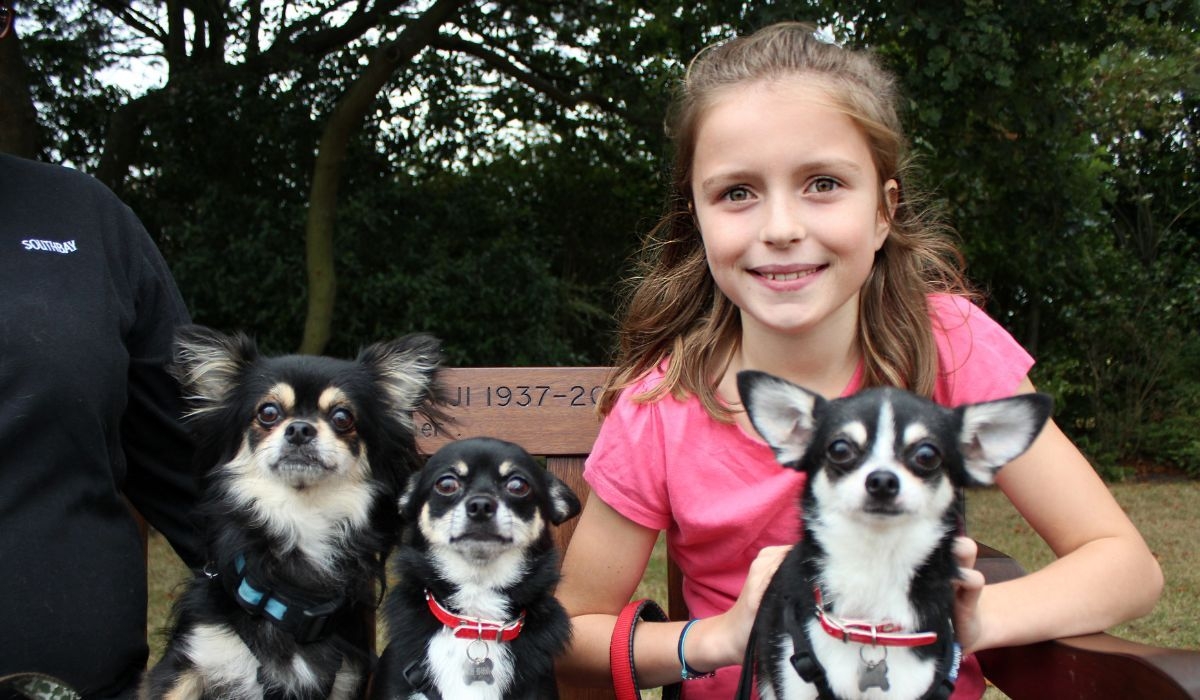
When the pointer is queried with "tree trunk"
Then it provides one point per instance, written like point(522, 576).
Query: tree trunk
point(121, 141)
point(345, 121)
point(19, 134)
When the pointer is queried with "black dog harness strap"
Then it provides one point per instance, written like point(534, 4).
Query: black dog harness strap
point(305, 619)
point(418, 679)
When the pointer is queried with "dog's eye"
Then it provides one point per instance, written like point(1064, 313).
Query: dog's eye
point(269, 414)
point(517, 487)
point(926, 457)
point(342, 420)
point(447, 485)
point(841, 452)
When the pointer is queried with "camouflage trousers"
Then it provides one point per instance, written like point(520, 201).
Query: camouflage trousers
point(35, 686)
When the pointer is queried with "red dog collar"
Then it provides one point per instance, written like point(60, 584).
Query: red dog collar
point(887, 634)
point(474, 627)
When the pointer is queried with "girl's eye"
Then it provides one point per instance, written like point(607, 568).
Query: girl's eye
point(841, 452)
point(822, 185)
point(737, 194)
point(269, 414)
point(447, 485)
point(926, 458)
point(342, 420)
point(517, 487)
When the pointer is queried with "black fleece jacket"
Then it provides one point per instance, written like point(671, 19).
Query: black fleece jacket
point(89, 424)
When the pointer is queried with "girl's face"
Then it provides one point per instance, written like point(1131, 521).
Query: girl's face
point(788, 203)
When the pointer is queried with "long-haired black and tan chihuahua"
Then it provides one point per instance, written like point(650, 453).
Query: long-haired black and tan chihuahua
point(303, 458)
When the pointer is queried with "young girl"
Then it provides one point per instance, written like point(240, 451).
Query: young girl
point(792, 247)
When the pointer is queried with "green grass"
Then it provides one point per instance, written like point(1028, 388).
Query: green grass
point(1167, 513)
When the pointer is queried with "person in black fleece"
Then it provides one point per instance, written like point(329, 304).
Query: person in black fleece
point(89, 429)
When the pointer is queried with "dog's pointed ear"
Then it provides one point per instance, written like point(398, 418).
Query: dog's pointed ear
point(405, 369)
point(782, 413)
point(564, 504)
point(207, 364)
point(996, 432)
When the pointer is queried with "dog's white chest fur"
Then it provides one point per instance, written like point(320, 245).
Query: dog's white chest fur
point(450, 660)
point(909, 676)
point(460, 667)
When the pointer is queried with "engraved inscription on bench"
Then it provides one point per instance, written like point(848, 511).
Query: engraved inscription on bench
point(523, 396)
point(547, 410)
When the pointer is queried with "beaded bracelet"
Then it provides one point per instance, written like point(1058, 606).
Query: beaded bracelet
point(686, 672)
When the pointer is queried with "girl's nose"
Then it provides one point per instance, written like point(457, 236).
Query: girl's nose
point(783, 225)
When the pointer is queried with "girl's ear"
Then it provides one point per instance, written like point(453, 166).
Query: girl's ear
point(891, 196)
point(890, 200)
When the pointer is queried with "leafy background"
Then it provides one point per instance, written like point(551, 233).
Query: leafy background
point(495, 183)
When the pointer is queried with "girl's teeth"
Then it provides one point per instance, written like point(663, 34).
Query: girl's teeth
point(786, 276)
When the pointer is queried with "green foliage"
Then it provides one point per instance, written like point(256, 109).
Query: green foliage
point(496, 191)
point(1129, 322)
point(509, 263)
point(226, 205)
point(1062, 137)
point(67, 57)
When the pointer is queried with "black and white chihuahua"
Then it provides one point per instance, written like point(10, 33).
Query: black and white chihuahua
point(473, 613)
point(302, 459)
point(862, 607)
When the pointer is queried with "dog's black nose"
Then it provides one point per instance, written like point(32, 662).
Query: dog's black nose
point(883, 484)
point(481, 507)
point(300, 433)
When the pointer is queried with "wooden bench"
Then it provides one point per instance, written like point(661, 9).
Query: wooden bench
point(551, 412)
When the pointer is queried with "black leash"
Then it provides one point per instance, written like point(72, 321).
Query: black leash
point(418, 679)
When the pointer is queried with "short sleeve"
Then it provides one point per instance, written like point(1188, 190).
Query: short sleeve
point(627, 468)
point(978, 359)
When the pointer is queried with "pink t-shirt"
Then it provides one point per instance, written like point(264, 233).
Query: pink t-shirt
point(719, 493)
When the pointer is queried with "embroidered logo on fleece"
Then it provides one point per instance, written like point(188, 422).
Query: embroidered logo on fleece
point(62, 247)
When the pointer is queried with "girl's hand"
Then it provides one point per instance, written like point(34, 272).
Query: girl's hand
point(967, 589)
point(727, 634)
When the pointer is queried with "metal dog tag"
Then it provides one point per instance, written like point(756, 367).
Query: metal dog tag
point(873, 674)
point(479, 672)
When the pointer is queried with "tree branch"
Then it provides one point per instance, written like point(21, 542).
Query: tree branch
point(134, 19)
point(121, 140)
point(528, 77)
point(319, 42)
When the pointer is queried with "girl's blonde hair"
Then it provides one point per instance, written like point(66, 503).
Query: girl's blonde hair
point(676, 309)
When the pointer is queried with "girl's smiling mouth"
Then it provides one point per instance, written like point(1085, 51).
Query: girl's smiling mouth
point(775, 274)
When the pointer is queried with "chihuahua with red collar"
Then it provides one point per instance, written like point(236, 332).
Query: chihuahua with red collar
point(473, 612)
point(862, 606)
